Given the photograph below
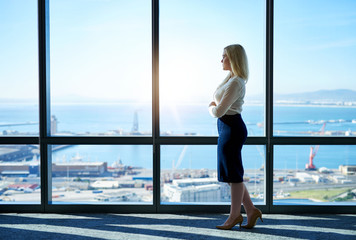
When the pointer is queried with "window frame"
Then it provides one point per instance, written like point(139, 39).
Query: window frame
point(269, 141)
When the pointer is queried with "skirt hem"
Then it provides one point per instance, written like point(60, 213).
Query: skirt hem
point(230, 181)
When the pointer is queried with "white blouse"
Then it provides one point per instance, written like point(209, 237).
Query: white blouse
point(229, 98)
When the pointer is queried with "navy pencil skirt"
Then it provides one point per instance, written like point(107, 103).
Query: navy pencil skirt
point(232, 135)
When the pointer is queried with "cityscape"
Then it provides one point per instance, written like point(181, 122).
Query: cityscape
point(90, 182)
point(79, 179)
point(99, 182)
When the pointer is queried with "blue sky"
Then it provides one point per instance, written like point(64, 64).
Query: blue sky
point(18, 49)
point(317, 45)
point(102, 49)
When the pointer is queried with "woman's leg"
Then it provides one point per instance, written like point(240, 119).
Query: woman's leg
point(252, 212)
point(237, 192)
point(247, 202)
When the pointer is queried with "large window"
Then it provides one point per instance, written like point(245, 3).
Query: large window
point(314, 58)
point(100, 67)
point(104, 104)
point(20, 174)
point(193, 35)
point(102, 174)
point(314, 96)
point(18, 68)
point(19, 163)
point(188, 175)
point(314, 175)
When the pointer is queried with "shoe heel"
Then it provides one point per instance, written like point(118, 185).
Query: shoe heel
point(261, 218)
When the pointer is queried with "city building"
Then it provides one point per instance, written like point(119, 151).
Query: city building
point(348, 169)
point(193, 190)
point(78, 169)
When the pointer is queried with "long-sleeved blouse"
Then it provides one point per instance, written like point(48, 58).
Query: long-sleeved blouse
point(229, 98)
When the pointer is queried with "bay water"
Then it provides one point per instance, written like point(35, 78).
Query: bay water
point(183, 120)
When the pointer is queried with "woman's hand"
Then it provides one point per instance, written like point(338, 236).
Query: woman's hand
point(212, 104)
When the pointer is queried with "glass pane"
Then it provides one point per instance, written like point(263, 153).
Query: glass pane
point(102, 174)
point(314, 59)
point(19, 68)
point(188, 175)
point(101, 67)
point(193, 35)
point(20, 174)
point(314, 175)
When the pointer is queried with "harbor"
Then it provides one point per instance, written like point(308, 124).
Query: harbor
point(123, 174)
point(98, 183)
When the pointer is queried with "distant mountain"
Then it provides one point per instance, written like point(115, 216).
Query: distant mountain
point(338, 95)
point(330, 96)
point(321, 96)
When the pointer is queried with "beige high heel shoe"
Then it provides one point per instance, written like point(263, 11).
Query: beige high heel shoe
point(239, 220)
point(253, 220)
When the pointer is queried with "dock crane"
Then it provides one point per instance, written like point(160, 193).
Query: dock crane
point(313, 152)
point(180, 159)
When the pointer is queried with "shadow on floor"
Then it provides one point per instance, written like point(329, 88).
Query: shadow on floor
point(170, 226)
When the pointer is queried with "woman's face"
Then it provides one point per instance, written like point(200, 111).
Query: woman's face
point(225, 62)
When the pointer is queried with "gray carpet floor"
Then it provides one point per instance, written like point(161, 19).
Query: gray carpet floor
point(172, 226)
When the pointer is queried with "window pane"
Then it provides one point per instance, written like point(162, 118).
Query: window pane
point(314, 59)
point(193, 35)
point(18, 68)
point(314, 175)
point(188, 175)
point(20, 174)
point(101, 67)
point(102, 174)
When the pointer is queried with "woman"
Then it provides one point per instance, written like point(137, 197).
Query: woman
point(227, 107)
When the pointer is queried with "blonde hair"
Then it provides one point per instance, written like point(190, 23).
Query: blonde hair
point(238, 60)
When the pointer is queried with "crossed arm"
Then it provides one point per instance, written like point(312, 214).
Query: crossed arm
point(230, 95)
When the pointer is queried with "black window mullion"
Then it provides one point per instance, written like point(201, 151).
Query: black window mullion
point(269, 104)
point(19, 140)
point(155, 104)
point(44, 96)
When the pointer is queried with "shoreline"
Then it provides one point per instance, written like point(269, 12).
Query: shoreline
point(203, 104)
